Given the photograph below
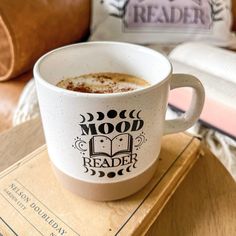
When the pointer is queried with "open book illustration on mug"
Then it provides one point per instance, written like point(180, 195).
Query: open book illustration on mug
point(102, 145)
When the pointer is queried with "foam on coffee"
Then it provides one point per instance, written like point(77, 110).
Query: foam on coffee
point(103, 83)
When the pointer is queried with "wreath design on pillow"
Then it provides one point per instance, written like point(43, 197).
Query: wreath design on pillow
point(217, 9)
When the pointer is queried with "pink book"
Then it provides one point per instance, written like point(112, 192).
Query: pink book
point(216, 69)
point(215, 113)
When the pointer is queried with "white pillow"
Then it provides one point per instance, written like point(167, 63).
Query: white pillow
point(163, 21)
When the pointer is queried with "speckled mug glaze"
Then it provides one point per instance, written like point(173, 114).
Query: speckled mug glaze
point(105, 146)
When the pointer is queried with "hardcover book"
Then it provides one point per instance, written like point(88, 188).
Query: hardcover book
point(32, 201)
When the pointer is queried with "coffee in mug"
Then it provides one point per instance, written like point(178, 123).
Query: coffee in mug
point(103, 83)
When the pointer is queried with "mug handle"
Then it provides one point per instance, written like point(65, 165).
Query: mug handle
point(192, 114)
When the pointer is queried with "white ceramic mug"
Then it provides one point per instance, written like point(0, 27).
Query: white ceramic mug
point(105, 146)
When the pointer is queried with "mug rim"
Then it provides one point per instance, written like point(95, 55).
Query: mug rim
point(40, 79)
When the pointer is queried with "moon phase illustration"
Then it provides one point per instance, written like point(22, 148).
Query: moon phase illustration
point(122, 114)
point(100, 115)
point(128, 169)
point(131, 114)
point(112, 114)
point(120, 172)
point(83, 119)
point(138, 115)
point(90, 117)
point(140, 140)
point(80, 145)
point(86, 169)
point(111, 174)
point(101, 173)
point(93, 172)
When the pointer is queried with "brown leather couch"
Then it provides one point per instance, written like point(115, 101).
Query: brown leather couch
point(11, 90)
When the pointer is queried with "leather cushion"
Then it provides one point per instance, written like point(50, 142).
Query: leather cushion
point(29, 28)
